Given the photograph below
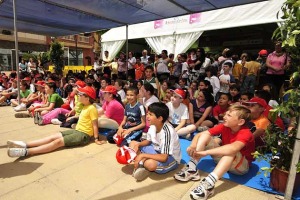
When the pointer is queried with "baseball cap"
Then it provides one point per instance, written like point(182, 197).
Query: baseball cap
point(263, 52)
point(125, 155)
point(88, 91)
point(110, 89)
point(26, 79)
point(179, 92)
point(80, 84)
point(259, 101)
point(40, 83)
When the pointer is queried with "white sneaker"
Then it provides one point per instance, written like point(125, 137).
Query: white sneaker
point(187, 174)
point(16, 152)
point(16, 144)
point(20, 107)
point(140, 173)
point(55, 121)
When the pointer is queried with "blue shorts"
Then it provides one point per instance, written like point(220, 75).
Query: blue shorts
point(162, 167)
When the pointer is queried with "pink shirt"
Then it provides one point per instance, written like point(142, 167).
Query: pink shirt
point(278, 62)
point(114, 110)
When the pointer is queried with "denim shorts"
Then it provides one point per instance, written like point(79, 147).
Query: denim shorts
point(162, 167)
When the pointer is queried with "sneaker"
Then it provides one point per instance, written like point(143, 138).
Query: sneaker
point(202, 128)
point(3, 104)
point(22, 115)
point(140, 173)
point(16, 152)
point(203, 191)
point(55, 121)
point(20, 108)
point(16, 144)
point(40, 120)
point(187, 174)
point(36, 117)
point(73, 126)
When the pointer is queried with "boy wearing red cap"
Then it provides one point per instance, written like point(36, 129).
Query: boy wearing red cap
point(86, 129)
point(179, 114)
point(257, 107)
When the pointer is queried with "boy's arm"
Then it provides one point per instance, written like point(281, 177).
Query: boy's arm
point(226, 150)
point(144, 156)
point(258, 132)
point(180, 125)
point(120, 128)
point(140, 126)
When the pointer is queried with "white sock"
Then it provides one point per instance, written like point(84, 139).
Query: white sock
point(192, 164)
point(212, 178)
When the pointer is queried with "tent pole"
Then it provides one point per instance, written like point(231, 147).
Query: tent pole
point(16, 48)
point(295, 160)
point(126, 52)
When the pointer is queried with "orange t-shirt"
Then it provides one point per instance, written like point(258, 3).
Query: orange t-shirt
point(139, 71)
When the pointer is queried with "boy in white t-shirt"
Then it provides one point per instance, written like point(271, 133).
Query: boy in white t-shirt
point(160, 152)
point(178, 113)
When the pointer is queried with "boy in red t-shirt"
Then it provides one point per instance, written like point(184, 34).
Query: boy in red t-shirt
point(139, 69)
point(222, 106)
point(234, 155)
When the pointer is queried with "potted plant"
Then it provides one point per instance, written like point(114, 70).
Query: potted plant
point(280, 144)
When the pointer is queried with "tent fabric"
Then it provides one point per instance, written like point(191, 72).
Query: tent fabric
point(65, 17)
point(112, 47)
point(243, 15)
point(177, 43)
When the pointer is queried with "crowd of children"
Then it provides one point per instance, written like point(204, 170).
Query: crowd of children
point(149, 108)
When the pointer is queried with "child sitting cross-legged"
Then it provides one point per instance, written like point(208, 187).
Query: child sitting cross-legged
point(178, 114)
point(234, 155)
point(131, 128)
point(160, 152)
point(86, 129)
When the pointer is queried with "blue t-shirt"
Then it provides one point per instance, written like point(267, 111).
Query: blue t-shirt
point(134, 114)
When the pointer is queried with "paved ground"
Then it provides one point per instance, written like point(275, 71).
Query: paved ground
point(89, 172)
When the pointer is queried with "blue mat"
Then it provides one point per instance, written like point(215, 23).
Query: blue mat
point(251, 179)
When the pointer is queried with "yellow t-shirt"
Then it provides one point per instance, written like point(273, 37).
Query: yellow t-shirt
point(237, 71)
point(252, 67)
point(78, 106)
point(87, 115)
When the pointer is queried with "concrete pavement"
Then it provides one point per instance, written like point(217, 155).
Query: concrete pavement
point(89, 172)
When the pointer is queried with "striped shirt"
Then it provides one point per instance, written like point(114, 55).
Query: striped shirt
point(166, 141)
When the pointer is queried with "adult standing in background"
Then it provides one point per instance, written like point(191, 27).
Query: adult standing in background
point(144, 58)
point(131, 63)
point(277, 62)
point(106, 64)
point(31, 65)
point(122, 66)
point(162, 70)
point(96, 64)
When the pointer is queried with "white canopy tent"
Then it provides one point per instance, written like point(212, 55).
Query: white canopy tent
point(177, 34)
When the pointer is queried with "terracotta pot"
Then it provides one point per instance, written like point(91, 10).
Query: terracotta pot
point(278, 180)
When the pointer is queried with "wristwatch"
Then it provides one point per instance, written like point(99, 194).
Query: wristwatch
point(96, 138)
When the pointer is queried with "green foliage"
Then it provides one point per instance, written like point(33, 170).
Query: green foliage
point(56, 56)
point(280, 144)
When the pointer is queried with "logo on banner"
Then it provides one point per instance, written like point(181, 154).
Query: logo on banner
point(158, 24)
point(195, 18)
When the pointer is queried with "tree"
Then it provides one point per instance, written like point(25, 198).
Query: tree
point(56, 56)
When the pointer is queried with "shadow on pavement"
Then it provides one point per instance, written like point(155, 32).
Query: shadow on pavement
point(16, 168)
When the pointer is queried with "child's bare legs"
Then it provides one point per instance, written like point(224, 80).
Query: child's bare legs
point(186, 130)
point(14, 102)
point(150, 165)
point(223, 165)
point(2, 99)
point(45, 145)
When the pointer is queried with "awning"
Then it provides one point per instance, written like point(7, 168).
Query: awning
point(67, 17)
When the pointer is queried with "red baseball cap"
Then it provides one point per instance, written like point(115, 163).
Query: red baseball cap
point(125, 155)
point(180, 93)
point(259, 101)
point(263, 52)
point(88, 91)
point(80, 84)
point(110, 89)
point(40, 83)
point(26, 79)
